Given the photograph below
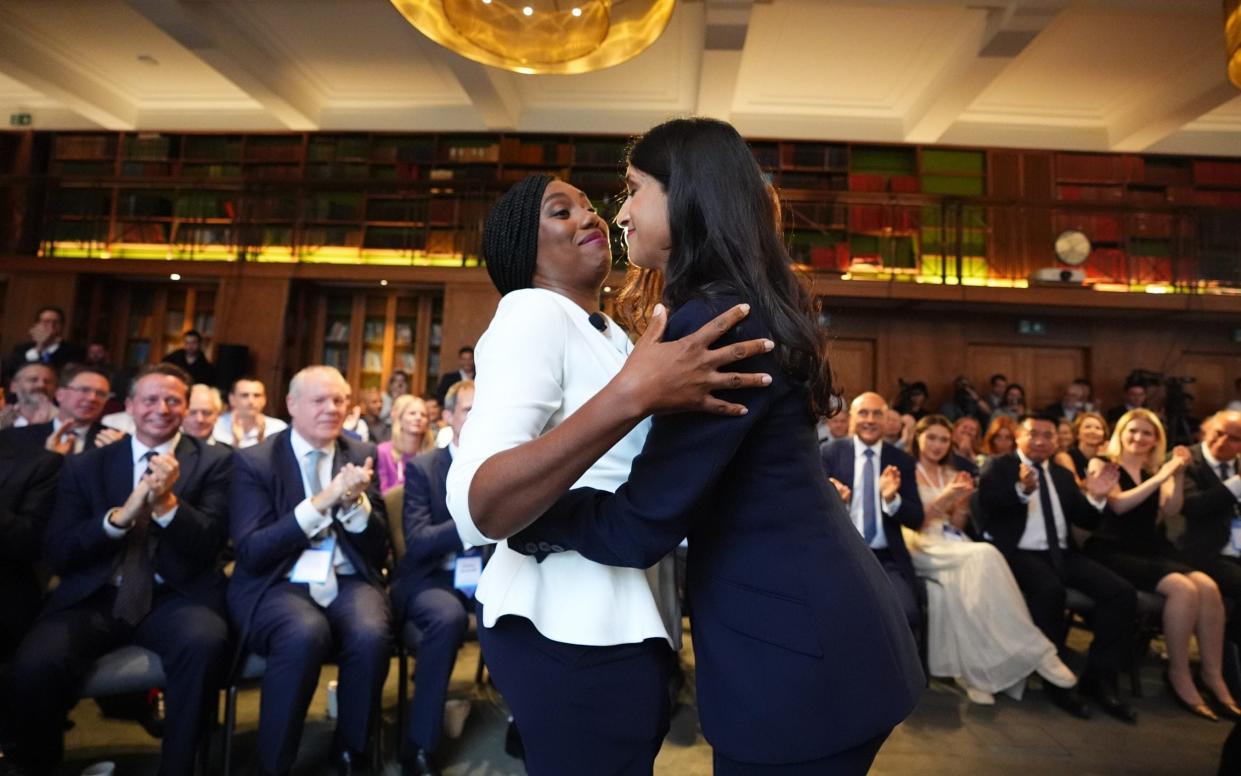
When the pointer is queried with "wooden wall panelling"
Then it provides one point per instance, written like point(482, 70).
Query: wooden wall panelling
point(251, 311)
point(25, 293)
point(1214, 374)
point(468, 308)
point(853, 366)
point(422, 347)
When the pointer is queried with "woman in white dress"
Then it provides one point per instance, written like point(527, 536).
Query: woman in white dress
point(980, 630)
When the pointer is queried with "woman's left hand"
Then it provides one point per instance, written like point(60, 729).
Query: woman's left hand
point(681, 375)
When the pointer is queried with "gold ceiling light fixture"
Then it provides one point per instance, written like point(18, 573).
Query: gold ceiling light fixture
point(541, 36)
point(1232, 34)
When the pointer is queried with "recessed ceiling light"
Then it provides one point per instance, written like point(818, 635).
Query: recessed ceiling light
point(528, 11)
point(175, 276)
point(383, 282)
point(577, 11)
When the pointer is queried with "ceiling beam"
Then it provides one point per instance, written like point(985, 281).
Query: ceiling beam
point(492, 91)
point(726, 25)
point(25, 60)
point(1199, 86)
point(228, 47)
point(981, 50)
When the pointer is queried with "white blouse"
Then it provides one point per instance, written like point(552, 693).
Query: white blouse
point(538, 362)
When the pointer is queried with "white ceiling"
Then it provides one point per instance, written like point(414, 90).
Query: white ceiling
point(1120, 75)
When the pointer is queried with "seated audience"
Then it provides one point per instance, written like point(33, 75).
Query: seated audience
point(378, 425)
point(1135, 398)
point(1027, 506)
point(965, 402)
point(46, 344)
point(27, 495)
point(32, 386)
point(1014, 404)
point(76, 426)
point(434, 584)
point(1076, 399)
point(834, 427)
point(1066, 438)
point(311, 535)
point(245, 425)
point(979, 630)
point(203, 413)
point(1212, 509)
point(97, 356)
point(464, 371)
point(411, 435)
point(911, 400)
point(884, 495)
point(398, 385)
point(1001, 437)
point(995, 397)
point(1089, 436)
point(965, 444)
point(898, 429)
point(135, 538)
point(192, 359)
point(1131, 541)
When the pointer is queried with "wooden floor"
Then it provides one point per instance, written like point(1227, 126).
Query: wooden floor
point(945, 735)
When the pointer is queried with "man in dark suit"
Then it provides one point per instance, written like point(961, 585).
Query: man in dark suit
point(310, 533)
point(882, 494)
point(1027, 505)
point(46, 344)
point(192, 359)
point(81, 397)
point(32, 387)
point(1212, 509)
point(135, 537)
point(434, 584)
point(1135, 397)
point(27, 494)
point(465, 371)
point(1076, 399)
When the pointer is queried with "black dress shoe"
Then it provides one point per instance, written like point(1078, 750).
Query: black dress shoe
point(420, 764)
point(1102, 690)
point(351, 764)
point(1067, 699)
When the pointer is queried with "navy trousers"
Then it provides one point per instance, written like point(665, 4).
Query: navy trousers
point(191, 638)
point(901, 585)
point(579, 709)
point(440, 613)
point(297, 637)
point(850, 762)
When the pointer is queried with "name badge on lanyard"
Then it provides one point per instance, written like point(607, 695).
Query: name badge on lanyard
point(315, 562)
point(466, 571)
point(1236, 535)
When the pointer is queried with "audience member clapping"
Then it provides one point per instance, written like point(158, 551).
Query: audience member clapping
point(1131, 541)
point(245, 425)
point(1089, 435)
point(33, 386)
point(980, 631)
point(204, 410)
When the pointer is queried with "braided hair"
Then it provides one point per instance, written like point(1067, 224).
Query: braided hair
point(511, 234)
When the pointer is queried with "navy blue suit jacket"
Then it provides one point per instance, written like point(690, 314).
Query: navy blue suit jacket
point(27, 497)
point(267, 487)
point(801, 647)
point(430, 533)
point(838, 457)
point(1003, 515)
point(187, 552)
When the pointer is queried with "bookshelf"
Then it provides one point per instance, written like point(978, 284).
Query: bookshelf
point(881, 211)
point(367, 334)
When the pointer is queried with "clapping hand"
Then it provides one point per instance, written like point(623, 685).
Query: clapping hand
point(1028, 478)
point(889, 483)
point(162, 473)
point(961, 486)
point(62, 440)
point(1101, 478)
point(842, 489)
point(353, 480)
point(351, 420)
point(107, 436)
point(1176, 462)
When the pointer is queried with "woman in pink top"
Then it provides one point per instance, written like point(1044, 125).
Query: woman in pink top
point(411, 435)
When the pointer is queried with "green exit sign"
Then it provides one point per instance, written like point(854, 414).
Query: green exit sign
point(20, 119)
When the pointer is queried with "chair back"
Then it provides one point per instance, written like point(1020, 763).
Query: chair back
point(394, 502)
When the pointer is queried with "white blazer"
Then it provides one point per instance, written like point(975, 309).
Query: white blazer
point(538, 362)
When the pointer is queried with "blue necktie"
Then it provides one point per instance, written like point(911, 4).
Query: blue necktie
point(1225, 471)
point(870, 521)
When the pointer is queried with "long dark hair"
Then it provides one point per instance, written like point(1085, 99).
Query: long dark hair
point(724, 224)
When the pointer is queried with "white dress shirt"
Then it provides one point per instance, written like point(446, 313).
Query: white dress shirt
point(880, 541)
point(141, 465)
point(314, 522)
point(1035, 535)
point(538, 362)
point(224, 431)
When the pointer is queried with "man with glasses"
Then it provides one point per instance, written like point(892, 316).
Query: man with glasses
point(83, 392)
point(135, 538)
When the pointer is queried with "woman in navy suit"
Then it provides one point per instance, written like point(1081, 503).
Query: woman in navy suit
point(804, 659)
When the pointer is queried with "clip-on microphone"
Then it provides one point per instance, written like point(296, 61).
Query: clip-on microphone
point(598, 321)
